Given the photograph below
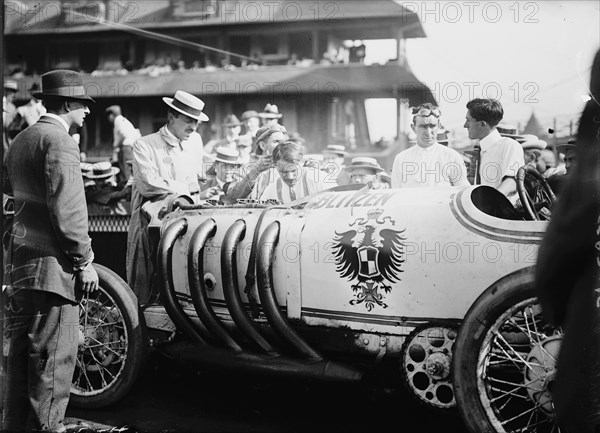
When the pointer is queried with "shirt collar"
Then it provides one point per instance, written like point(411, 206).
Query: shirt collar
point(489, 140)
point(60, 119)
point(427, 149)
point(169, 137)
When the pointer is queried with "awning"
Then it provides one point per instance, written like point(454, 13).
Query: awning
point(289, 81)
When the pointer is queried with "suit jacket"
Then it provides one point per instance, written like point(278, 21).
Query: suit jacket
point(567, 278)
point(50, 230)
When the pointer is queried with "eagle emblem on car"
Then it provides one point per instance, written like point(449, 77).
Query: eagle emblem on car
point(371, 254)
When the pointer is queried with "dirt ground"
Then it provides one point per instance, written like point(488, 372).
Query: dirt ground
point(171, 397)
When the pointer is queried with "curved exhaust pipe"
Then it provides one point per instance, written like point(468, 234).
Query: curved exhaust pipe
point(231, 290)
point(198, 289)
point(167, 291)
point(268, 300)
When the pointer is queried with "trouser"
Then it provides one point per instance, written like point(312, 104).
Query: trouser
point(125, 154)
point(40, 346)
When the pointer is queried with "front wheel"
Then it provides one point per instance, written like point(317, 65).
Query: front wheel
point(505, 360)
point(112, 343)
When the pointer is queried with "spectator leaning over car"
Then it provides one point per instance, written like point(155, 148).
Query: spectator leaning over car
point(259, 172)
point(225, 169)
point(428, 163)
point(50, 260)
point(567, 277)
point(166, 164)
point(124, 134)
point(295, 181)
point(501, 157)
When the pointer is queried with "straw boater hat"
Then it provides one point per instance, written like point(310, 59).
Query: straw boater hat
point(364, 162)
point(100, 170)
point(508, 131)
point(533, 143)
point(270, 112)
point(228, 156)
point(336, 149)
point(526, 137)
point(187, 104)
point(249, 115)
point(63, 84)
point(11, 86)
point(231, 120)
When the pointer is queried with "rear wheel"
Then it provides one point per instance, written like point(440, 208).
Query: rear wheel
point(505, 360)
point(112, 343)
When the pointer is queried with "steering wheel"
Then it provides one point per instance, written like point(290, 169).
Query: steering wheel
point(536, 195)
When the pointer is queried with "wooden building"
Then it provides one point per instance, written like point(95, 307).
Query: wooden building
point(304, 56)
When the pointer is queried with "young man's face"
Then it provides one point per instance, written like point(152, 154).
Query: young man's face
point(426, 129)
point(570, 159)
point(78, 111)
point(474, 127)
point(182, 126)
point(290, 172)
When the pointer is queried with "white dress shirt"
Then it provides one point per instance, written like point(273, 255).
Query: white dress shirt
point(124, 133)
point(432, 166)
point(500, 157)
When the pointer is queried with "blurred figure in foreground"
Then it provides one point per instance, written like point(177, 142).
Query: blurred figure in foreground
point(567, 277)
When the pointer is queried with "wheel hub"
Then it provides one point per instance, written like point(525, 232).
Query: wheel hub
point(438, 365)
point(427, 360)
point(540, 375)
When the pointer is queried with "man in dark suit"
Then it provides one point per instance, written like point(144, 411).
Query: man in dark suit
point(50, 259)
point(567, 277)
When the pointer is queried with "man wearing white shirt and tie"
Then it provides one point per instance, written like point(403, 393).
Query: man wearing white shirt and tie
point(428, 163)
point(501, 157)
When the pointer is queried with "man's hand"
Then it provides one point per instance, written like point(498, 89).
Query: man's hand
point(179, 202)
point(211, 192)
point(264, 163)
point(87, 278)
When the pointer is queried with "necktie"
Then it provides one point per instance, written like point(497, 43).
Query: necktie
point(477, 162)
point(292, 194)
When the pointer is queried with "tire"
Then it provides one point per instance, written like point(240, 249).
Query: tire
point(112, 343)
point(502, 369)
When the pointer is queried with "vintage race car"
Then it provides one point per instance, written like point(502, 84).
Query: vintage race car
point(435, 284)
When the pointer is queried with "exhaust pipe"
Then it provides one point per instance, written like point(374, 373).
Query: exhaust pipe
point(231, 290)
point(167, 291)
point(268, 300)
point(198, 289)
point(322, 370)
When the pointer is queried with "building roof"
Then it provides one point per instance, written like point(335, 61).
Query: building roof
point(533, 127)
point(35, 17)
point(320, 81)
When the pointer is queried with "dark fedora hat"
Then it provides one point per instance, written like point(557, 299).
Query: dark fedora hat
point(63, 83)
